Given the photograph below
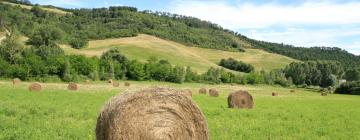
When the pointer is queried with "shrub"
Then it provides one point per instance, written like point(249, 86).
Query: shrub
point(233, 64)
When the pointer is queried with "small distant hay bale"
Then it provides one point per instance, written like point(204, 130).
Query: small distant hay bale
point(16, 81)
point(73, 86)
point(127, 84)
point(213, 92)
point(240, 99)
point(87, 81)
point(202, 91)
point(274, 94)
point(35, 87)
point(151, 114)
point(292, 91)
point(324, 94)
point(187, 92)
point(116, 84)
point(110, 81)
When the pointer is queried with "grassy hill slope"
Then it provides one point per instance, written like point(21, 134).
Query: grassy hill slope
point(144, 46)
point(52, 10)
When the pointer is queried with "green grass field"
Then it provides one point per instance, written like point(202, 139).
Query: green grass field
point(144, 46)
point(56, 113)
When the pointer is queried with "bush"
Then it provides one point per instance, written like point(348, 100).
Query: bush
point(349, 88)
point(236, 65)
point(78, 43)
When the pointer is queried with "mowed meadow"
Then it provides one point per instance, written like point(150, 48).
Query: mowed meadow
point(143, 46)
point(57, 113)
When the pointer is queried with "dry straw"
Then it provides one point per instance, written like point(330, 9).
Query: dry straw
point(240, 99)
point(202, 91)
point(16, 81)
point(274, 94)
point(73, 86)
point(151, 114)
point(213, 92)
point(116, 84)
point(127, 84)
point(35, 87)
point(187, 92)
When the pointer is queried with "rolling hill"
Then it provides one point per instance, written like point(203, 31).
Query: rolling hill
point(52, 10)
point(124, 21)
point(144, 46)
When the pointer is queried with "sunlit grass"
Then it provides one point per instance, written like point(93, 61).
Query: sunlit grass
point(56, 113)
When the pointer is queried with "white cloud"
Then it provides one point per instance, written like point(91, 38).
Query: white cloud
point(249, 15)
point(321, 23)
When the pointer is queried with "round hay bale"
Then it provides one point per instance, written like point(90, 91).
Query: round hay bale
point(213, 92)
point(116, 84)
point(127, 84)
point(151, 114)
point(323, 94)
point(87, 81)
point(274, 94)
point(187, 92)
point(202, 91)
point(292, 91)
point(73, 86)
point(35, 87)
point(110, 81)
point(240, 99)
point(16, 81)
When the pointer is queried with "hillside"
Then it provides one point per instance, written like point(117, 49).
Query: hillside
point(52, 10)
point(123, 21)
point(144, 46)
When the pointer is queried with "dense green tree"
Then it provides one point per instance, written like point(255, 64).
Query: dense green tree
point(317, 73)
point(233, 64)
point(78, 42)
point(10, 48)
point(136, 70)
point(352, 75)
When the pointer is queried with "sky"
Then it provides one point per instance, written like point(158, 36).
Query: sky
point(304, 23)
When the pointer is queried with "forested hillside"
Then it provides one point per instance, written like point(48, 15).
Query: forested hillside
point(345, 58)
point(112, 22)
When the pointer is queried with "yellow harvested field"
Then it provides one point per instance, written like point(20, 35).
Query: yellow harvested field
point(144, 46)
point(53, 10)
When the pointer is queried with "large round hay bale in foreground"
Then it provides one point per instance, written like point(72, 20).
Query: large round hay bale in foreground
point(240, 99)
point(202, 91)
point(73, 86)
point(187, 92)
point(151, 114)
point(35, 87)
point(16, 81)
point(127, 84)
point(213, 92)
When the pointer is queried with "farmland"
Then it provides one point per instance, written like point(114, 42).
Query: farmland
point(56, 113)
point(144, 46)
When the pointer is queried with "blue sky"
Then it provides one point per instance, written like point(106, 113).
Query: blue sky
point(298, 22)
